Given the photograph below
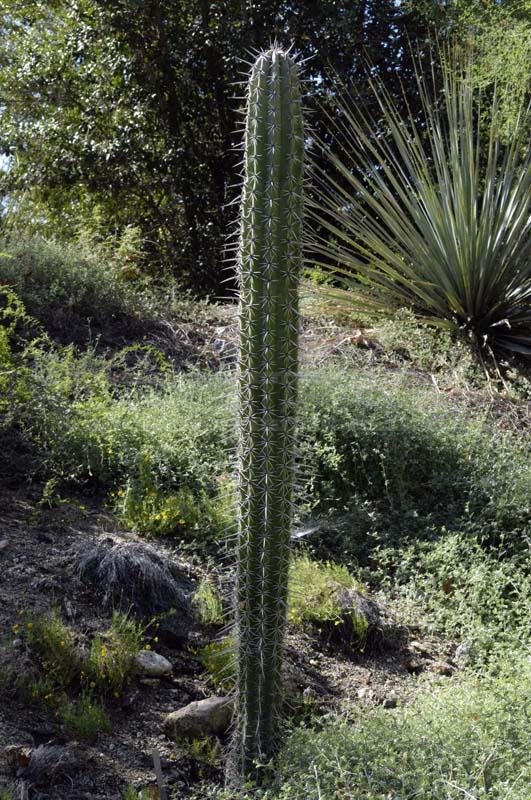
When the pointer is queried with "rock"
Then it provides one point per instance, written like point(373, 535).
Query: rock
point(17, 755)
point(420, 647)
point(441, 668)
point(390, 702)
point(364, 623)
point(465, 654)
point(151, 664)
point(173, 629)
point(415, 665)
point(355, 604)
point(209, 717)
point(364, 693)
point(4, 544)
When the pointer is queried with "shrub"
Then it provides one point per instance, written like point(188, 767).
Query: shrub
point(110, 664)
point(166, 452)
point(403, 460)
point(468, 739)
point(209, 603)
point(459, 589)
point(53, 645)
point(390, 458)
point(465, 740)
point(37, 690)
point(313, 590)
point(219, 660)
point(131, 794)
point(65, 286)
point(84, 719)
point(406, 341)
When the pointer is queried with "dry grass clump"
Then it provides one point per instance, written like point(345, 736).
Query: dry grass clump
point(133, 576)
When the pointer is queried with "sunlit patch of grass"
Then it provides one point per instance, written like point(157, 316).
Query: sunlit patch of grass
point(110, 663)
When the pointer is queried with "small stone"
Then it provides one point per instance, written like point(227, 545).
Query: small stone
point(152, 664)
point(415, 665)
point(390, 702)
point(209, 717)
point(419, 647)
point(465, 654)
point(364, 693)
point(441, 668)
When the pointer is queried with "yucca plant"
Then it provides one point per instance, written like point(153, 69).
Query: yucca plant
point(429, 211)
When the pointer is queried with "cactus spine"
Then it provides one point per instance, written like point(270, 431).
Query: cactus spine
point(270, 257)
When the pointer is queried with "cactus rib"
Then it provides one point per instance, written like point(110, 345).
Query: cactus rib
point(270, 257)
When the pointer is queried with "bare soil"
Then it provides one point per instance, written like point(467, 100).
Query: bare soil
point(321, 674)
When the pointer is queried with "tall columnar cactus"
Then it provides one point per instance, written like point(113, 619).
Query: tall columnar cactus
point(270, 256)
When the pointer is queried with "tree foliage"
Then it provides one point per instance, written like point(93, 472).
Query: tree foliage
point(125, 113)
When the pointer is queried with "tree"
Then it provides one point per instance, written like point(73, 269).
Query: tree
point(124, 113)
point(501, 34)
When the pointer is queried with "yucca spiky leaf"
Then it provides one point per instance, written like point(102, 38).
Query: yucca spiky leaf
point(429, 212)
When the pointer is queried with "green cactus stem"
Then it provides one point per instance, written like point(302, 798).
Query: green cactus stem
point(270, 257)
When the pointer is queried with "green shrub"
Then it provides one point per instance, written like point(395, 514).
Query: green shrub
point(53, 645)
point(110, 663)
point(65, 286)
point(131, 794)
point(144, 506)
point(406, 341)
point(468, 740)
point(208, 602)
point(164, 455)
point(398, 458)
point(19, 338)
point(313, 590)
point(84, 719)
point(37, 690)
point(219, 660)
point(382, 457)
point(459, 589)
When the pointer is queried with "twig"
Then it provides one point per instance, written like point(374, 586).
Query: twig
point(158, 774)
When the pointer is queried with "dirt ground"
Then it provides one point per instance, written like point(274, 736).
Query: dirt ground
point(34, 577)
